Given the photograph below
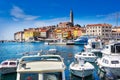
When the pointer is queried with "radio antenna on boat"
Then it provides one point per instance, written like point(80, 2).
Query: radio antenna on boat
point(117, 17)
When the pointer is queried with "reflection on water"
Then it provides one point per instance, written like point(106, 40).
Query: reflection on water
point(8, 76)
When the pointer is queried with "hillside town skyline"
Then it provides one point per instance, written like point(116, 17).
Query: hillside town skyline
point(67, 30)
point(15, 16)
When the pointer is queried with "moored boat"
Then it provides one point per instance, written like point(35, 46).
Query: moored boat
point(81, 40)
point(87, 56)
point(95, 44)
point(112, 48)
point(110, 64)
point(80, 68)
point(8, 66)
point(41, 67)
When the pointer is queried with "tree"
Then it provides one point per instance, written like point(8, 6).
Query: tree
point(78, 25)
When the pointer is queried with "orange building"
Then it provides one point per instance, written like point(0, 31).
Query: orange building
point(68, 33)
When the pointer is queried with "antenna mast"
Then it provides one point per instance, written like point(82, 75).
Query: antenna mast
point(117, 16)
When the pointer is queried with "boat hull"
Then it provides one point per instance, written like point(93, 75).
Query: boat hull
point(81, 73)
point(7, 70)
point(114, 71)
point(80, 42)
point(81, 70)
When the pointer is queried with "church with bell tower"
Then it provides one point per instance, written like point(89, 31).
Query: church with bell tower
point(68, 24)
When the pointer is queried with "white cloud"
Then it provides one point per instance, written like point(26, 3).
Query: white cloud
point(19, 14)
point(15, 19)
point(49, 22)
point(111, 16)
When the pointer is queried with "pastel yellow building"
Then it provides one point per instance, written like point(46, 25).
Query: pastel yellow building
point(31, 34)
point(62, 33)
point(76, 32)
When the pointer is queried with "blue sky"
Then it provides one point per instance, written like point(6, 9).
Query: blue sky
point(16, 15)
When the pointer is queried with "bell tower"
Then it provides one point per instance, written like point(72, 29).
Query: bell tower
point(71, 17)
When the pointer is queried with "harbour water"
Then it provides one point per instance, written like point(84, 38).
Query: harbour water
point(13, 50)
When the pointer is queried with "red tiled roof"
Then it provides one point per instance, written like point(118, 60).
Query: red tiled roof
point(102, 25)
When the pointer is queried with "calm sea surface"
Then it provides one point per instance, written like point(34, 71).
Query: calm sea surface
point(13, 50)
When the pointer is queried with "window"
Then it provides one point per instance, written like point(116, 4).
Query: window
point(12, 63)
point(93, 55)
point(114, 62)
point(5, 63)
point(89, 54)
point(105, 61)
point(115, 48)
point(107, 47)
point(84, 54)
point(44, 58)
point(95, 45)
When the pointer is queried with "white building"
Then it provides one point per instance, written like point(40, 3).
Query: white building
point(116, 33)
point(18, 36)
point(101, 30)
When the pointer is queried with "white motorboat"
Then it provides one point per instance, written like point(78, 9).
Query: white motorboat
point(46, 43)
point(80, 68)
point(95, 44)
point(110, 64)
point(52, 51)
point(41, 67)
point(81, 40)
point(112, 48)
point(87, 56)
point(8, 66)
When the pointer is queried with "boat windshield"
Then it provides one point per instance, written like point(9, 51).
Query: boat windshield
point(12, 63)
point(82, 37)
point(46, 76)
point(95, 45)
point(52, 76)
point(115, 49)
point(50, 58)
point(115, 62)
point(5, 63)
point(29, 76)
point(88, 49)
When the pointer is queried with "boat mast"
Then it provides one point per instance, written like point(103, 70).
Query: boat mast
point(117, 16)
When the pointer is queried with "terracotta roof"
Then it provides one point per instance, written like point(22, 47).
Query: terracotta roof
point(118, 27)
point(102, 25)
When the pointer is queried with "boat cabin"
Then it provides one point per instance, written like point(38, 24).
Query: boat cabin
point(111, 60)
point(44, 67)
point(95, 43)
point(112, 49)
point(9, 63)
